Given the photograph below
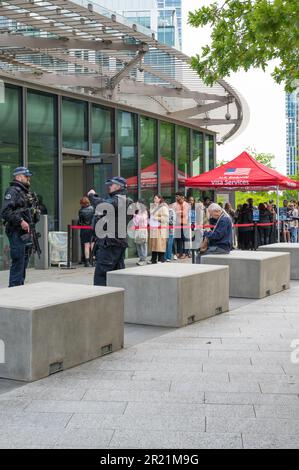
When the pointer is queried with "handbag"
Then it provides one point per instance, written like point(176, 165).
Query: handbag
point(139, 236)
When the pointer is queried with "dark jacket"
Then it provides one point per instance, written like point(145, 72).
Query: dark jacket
point(16, 207)
point(86, 215)
point(265, 217)
point(120, 202)
point(222, 235)
point(245, 217)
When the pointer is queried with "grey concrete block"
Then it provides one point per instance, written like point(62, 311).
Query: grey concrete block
point(254, 274)
point(172, 296)
point(292, 248)
point(48, 326)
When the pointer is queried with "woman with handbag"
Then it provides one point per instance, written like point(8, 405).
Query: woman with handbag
point(219, 240)
point(140, 221)
point(159, 219)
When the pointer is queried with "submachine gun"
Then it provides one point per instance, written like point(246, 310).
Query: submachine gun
point(33, 213)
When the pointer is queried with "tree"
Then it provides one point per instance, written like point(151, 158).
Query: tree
point(249, 33)
point(264, 158)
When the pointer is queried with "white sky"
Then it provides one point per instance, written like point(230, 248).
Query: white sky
point(266, 131)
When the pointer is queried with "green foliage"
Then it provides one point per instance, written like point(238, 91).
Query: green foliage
point(249, 33)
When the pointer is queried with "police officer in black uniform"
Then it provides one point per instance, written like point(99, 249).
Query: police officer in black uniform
point(111, 248)
point(17, 218)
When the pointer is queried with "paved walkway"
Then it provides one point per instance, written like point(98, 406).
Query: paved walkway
point(227, 382)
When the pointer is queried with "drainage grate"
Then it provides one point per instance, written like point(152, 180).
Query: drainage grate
point(218, 310)
point(191, 319)
point(55, 367)
point(106, 350)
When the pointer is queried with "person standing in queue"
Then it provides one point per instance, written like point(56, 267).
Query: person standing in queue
point(17, 216)
point(110, 249)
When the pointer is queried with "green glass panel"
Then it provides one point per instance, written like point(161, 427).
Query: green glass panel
point(43, 151)
point(209, 152)
point(197, 153)
point(74, 121)
point(10, 153)
point(102, 130)
point(167, 160)
point(183, 156)
point(127, 142)
point(149, 163)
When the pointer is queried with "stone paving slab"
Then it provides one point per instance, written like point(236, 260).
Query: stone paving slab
point(227, 382)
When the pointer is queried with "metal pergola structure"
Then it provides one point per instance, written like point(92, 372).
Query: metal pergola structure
point(82, 47)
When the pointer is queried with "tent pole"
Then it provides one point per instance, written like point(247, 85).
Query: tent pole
point(278, 221)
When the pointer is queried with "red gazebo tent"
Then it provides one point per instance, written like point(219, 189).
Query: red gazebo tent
point(149, 177)
point(243, 173)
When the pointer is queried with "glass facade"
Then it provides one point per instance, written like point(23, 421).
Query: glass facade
point(183, 145)
point(209, 152)
point(148, 158)
point(127, 147)
point(197, 153)
point(153, 155)
point(167, 160)
point(43, 150)
point(102, 130)
point(10, 153)
point(74, 121)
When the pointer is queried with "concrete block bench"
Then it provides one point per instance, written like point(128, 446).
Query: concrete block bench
point(172, 295)
point(48, 327)
point(292, 248)
point(254, 274)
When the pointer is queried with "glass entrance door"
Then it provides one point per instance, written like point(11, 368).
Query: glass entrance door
point(99, 170)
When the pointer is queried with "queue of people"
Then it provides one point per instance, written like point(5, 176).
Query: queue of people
point(167, 230)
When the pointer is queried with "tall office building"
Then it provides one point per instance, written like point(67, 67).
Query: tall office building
point(170, 22)
point(292, 116)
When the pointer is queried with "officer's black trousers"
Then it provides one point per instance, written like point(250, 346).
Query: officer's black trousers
point(19, 254)
point(108, 258)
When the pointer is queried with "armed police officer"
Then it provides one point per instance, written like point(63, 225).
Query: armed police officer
point(19, 219)
point(110, 228)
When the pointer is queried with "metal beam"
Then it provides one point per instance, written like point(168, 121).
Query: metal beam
point(16, 40)
point(114, 81)
point(131, 87)
point(71, 81)
point(186, 113)
point(212, 122)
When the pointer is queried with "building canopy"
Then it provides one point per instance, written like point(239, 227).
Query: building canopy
point(82, 47)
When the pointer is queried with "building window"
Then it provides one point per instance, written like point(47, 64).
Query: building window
point(127, 142)
point(10, 153)
point(197, 153)
point(102, 131)
point(209, 152)
point(149, 161)
point(43, 151)
point(74, 120)
point(167, 160)
point(183, 156)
